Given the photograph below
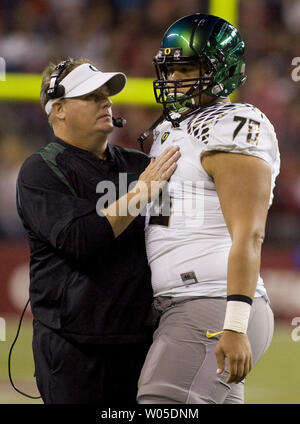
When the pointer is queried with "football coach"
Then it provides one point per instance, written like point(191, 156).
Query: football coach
point(90, 290)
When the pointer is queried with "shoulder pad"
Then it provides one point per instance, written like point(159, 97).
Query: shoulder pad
point(201, 124)
point(236, 128)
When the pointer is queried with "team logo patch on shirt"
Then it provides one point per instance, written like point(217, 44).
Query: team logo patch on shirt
point(165, 136)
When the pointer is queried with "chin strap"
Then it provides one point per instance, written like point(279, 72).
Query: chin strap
point(146, 134)
point(189, 112)
point(175, 120)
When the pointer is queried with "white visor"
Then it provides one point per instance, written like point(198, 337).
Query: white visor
point(86, 78)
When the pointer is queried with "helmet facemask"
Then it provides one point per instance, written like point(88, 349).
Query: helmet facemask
point(181, 96)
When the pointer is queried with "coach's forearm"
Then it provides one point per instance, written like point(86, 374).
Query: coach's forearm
point(244, 265)
point(123, 211)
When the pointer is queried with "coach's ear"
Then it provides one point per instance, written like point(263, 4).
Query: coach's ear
point(58, 110)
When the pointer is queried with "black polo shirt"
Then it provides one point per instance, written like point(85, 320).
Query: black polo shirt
point(84, 282)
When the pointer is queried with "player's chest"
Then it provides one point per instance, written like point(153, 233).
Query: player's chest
point(188, 165)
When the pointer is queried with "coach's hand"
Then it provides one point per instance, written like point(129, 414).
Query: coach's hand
point(235, 347)
point(159, 171)
point(121, 212)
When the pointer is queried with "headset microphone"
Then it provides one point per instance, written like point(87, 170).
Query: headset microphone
point(119, 122)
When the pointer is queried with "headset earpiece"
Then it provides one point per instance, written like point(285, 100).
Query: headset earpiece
point(56, 90)
point(59, 91)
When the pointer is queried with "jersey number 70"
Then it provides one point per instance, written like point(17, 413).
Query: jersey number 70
point(253, 129)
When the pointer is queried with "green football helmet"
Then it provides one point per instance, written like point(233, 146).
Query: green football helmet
point(205, 41)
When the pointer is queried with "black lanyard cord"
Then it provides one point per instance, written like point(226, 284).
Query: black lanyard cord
point(9, 357)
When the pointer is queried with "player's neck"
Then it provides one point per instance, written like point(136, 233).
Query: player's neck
point(226, 100)
point(209, 100)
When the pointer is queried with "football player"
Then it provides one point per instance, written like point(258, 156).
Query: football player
point(215, 317)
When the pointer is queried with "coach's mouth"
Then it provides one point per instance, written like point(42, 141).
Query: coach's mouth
point(106, 115)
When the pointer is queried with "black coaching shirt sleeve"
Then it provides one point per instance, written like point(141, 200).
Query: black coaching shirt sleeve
point(51, 212)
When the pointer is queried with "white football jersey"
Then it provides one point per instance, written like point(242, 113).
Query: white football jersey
point(187, 239)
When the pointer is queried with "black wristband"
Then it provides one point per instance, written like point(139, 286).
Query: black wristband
point(240, 298)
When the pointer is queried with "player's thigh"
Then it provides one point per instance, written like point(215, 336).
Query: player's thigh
point(181, 365)
point(169, 369)
point(260, 328)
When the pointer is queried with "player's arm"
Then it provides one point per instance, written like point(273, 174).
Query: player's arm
point(243, 184)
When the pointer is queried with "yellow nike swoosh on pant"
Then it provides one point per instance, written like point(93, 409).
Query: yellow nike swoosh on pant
point(210, 335)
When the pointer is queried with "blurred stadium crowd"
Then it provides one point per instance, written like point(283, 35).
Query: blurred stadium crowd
point(124, 35)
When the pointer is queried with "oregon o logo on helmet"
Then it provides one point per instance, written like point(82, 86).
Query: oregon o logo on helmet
point(167, 50)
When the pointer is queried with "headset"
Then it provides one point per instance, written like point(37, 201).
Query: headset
point(56, 90)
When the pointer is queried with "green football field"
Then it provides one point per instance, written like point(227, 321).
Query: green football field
point(275, 379)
